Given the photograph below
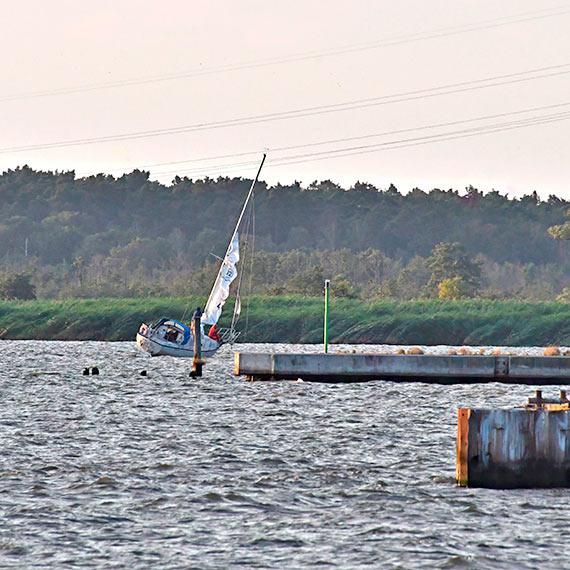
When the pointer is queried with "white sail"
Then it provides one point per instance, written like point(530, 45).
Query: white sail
point(221, 288)
point(174, 338)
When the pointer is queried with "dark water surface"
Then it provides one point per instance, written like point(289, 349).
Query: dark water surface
point(126, 471)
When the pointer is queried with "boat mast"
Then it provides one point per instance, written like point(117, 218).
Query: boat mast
point(246, 202)
point(237, 226)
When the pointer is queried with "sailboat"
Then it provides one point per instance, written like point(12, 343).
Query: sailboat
point(173, 338)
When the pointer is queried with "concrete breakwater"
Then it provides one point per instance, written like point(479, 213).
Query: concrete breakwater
point(446, 369)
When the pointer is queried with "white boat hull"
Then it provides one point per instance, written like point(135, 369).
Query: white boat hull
point(156, 345)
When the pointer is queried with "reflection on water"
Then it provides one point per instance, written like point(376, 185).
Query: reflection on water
point(122, 470)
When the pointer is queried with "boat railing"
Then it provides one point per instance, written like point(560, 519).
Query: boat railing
point(228, 336)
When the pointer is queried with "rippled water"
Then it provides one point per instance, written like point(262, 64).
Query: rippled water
point(128, 471)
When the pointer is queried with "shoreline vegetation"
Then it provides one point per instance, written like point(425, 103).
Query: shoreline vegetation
point(297, 319)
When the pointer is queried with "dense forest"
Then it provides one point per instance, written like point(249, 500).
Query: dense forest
point(100, 236)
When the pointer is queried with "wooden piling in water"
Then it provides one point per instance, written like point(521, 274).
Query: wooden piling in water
point(517, 448)
point(197, 361)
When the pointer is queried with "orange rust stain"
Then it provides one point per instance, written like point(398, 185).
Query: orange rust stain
point(462, 474)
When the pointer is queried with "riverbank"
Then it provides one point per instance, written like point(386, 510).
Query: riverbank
point(300, 320)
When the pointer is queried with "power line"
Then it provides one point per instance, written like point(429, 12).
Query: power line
point(497, 127)
point(349, 139)
point(523, 17)
point(494, 81)
point(388, 145)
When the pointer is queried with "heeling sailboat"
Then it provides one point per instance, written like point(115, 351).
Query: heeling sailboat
point(173, 338)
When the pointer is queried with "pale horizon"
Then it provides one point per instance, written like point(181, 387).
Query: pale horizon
point(429, 95)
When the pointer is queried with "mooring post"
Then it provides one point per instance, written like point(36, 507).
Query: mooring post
point(516, 448)
point(326, 326)
point(197, 334)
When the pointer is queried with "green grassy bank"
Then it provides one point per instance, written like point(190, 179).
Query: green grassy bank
point(298, 319)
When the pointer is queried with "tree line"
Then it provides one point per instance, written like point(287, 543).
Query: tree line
point(101, 236)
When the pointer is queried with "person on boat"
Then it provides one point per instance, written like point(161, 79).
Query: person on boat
point(213, 334)
point(171, 335)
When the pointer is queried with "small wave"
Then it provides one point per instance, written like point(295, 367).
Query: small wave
point(537, 507)
point(280, 413)
point(473, 509)
point(457, 561)
point(444, 480)
point(106, 482)
point(163, 467)
point(77, 486)
point(39, 490)
point(153, 503)
point(11, 548)
point(11, 474)
point(380, 530)
point(283, 542)
point(378, 487)
point(47, 469)
point(274, 461)
point(213, 497)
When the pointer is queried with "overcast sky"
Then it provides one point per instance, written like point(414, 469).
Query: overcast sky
point(439, 93)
